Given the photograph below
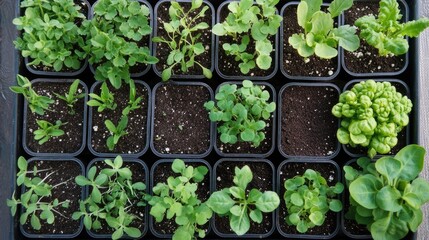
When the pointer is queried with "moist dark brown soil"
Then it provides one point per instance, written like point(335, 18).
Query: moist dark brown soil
point(181, 123)
point(290, 170)
point(293, 63)
point(366, 58)
point(163, 50)
point(307, 125)
point(160, 175)
point(64, 171)
point(262, 180)
point(135, 141)
point(71, 141)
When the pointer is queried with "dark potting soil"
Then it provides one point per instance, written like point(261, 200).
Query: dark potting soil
point(262, 180)
point(307, 125)
point(181, 125)
point(135, 140)
point(71, 141)
point(163, 50)
point(293, 63)
point(290, 170)
point(366, 58)
point(63, 171)
point(160, 175)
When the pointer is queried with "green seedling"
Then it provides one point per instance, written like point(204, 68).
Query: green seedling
point(116, 131)
point(72, 96)
point(133, 103)
point(47, 130)
point(106, 99)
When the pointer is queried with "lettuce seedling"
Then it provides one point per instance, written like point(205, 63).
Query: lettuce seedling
point(385, 31)
point(320, 37)
point(241, 112)
point(116, 131)
point(106, 99)
point(47, 130)
point(387, 195)
point(238, 204)
point(177, 198)
point(308, 198)
point(372, 114)
point(71, 97)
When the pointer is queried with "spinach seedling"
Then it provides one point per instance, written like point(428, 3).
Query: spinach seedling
point(37, 103)
point(239, 204)
point(242, 112)
point(385, 31)
point(116, 131)
point(106, 99)
point(308, 198)
point(133, 103)
point(177, 198)
point(47, 130)
point(72, 96)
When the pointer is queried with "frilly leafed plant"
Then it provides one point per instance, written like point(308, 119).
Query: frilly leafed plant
point(51, 34)
point(320, 37)
point(72, 96)
point(247, 24)
point(241, 112)
point(308, 198)
point(183, 38)
point(112, 194)
point(48, 130)
point(177, 198)
point(372, 114)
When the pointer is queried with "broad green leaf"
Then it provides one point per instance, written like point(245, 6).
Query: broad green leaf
point(322, 23)
point(389, 228)
point(313, 6)
point(178, 166)
point(240, 224)
point(317, 218)
point(389, 167)
point(256, 216)
point(412, 158)
point(219, 30)
point(268, 202)
point(264, 61)
point(243, 176)
point(325, 51)
point(220, 202)
point(302, 13)
point(338, 6)
point(364, 190)
point(388, 199)
point(346, 37)
point(397, 46)
point(132, 232)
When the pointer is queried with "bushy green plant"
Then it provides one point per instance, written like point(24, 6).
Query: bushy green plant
point(387, 195)
point(238, 203)
point(241, 112)
point(116, 131)
point(372, 114)
point(308, 199)
point(250, 23)
point(177, 198)
point(106, 99)
point(385, 31)
point(72, 96)
point(47, 130)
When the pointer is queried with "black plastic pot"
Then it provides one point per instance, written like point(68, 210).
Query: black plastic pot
point(273, 97)
point(279, 129)
point(27, 111)
point(184, 76)
point(211, 129)
point(282, 44)
point(56, 235)
point(280, 190)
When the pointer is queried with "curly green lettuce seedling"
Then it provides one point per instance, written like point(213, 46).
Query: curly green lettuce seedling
point(72, 96)
point(385, 31)
point(106, 99)
point(308, 199)
point(372, 114)
point(116, 131)
point(177, 198)
point(47, 130)
point(241, 112)
point(238, 204)
point(320, 37)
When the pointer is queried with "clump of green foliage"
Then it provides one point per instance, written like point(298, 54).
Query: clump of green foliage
point(238, 203)
point(308, 198)
point(372, 114)
point(387, 195)
point(47, 130)
point(116, 131)
point(241, 112)
point(249, 23)
point(106, 100)
point(177, 198)
point(183, 36)
point(51, 33)
point(72, 96)
point(320, 37)
point(385, 31)
point(113, 193)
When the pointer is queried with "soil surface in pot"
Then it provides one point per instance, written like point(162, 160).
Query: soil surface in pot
point(290, 170)
point(262, 180)
point(160, 175)
point(135, 140)
point(366, 59)
point(307, 125)
point(63, 171)
point(181, 125)
point(293, 63)
point(163, 50)
point(71, 140)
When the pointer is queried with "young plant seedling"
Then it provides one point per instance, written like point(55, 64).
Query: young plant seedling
point(72, 96)
point(37, 103)
point(106, 99)
point(320, 37)
point(238, 204)
point(116, 131)
point(112, 195)
point(308, 198)
point(47, 130)
point(177, 198)
point(385, 31)
point(183, 38)
point(242, 112)
point(133, 103)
